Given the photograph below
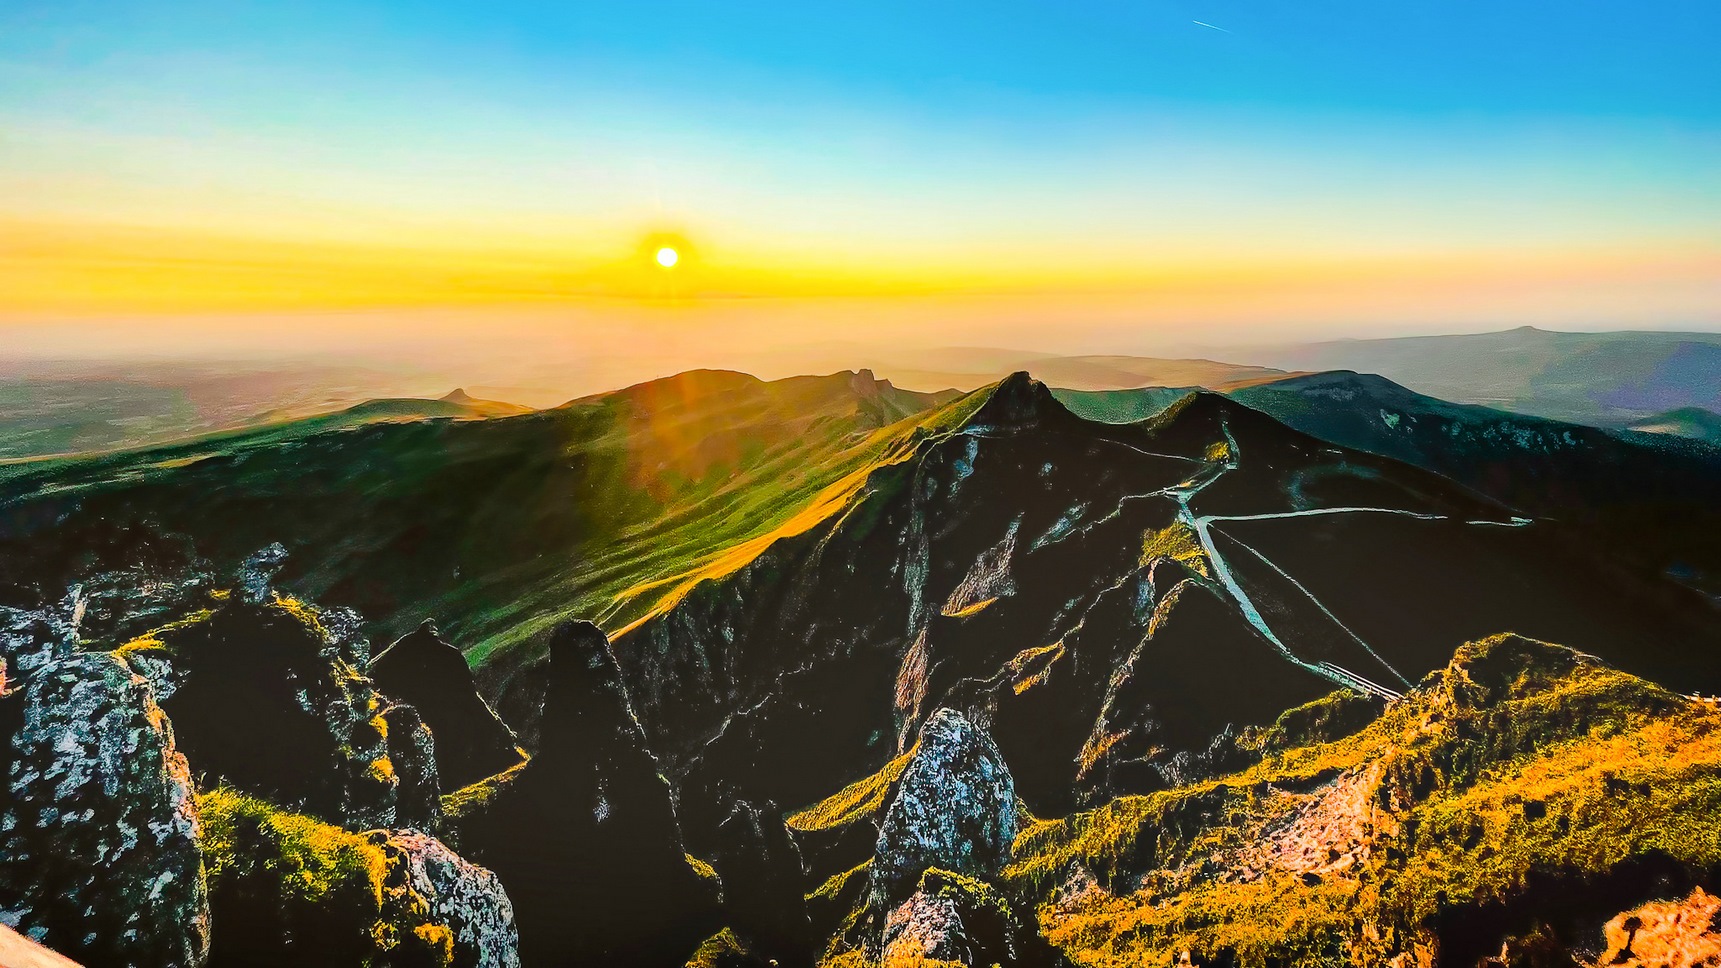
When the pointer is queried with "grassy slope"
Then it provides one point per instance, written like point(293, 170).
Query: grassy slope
point(1506, 788)
point(498, 527)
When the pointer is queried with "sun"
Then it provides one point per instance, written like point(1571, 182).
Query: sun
point(668, 257)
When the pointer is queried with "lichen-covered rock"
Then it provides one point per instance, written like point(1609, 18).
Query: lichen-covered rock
point(423, 670)
point(99, 850)
point(585, 834)
point(955, 809)
point(263, 699)
point(256, 575)
point(30, 638)
point(959, 920)
point(466, 898)
point(290, 890)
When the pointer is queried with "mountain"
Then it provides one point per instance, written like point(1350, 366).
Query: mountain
point(1605, 379)
point(823, 672)
point(1111, 599)
point(1655, 499)
point(483, 408)
point(971, 368)
point(1694, 422)
point(493, 525)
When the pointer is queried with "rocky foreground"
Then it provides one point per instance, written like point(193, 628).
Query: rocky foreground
point(233, 789)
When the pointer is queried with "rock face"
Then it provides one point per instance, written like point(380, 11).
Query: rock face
point(263, 698)
point(764, 899)
point(465, 897)
point(423, 670)
point(99, 850)
point(955, 809)
point(584, 834)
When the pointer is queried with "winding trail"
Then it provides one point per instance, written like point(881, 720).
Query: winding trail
point(1202, 525)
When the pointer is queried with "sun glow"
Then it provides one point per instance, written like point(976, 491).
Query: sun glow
point(668, 257)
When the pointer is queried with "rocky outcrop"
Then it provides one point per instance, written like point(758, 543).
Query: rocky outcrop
point(764, 889)
point(955, 809)
point(264, 699)
point(289, 890)
point(423, 670)
point(584, 834)
point(466, 898)
point(951, 919)
point(99, 850)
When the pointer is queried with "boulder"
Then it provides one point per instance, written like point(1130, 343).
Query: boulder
point(423, 670)
point(464, 897)
point(99, 832)
point(584, 834)
point(955, 809)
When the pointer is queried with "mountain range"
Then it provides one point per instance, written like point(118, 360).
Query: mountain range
point(825, 671)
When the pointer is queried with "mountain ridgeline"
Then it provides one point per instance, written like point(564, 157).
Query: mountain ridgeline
point(871, 678)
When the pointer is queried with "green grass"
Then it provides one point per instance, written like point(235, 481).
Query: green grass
point(608, 508)
point(1520, 764)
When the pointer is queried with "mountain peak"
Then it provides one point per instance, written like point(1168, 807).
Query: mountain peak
point(458, 395)
point(1018, 400)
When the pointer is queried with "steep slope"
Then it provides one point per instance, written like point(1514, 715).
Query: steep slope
point(1113, 601)
point(1518, 807)
point(1606, 379)
point(498, 526)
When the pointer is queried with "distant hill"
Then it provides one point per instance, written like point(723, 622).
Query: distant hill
point(1694, 422)
point(483, 408)
point(1605, 379)
point(970, 368)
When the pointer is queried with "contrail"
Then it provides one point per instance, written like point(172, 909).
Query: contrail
point(1205, 24)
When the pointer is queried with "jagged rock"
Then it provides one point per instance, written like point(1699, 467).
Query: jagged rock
point(955, 809)
point(256, 574)
point(764, 893)
point(466, 898)
point(289, 890)
point(424, 670)
point(951, 919)
point(584, 834)
point(30, 638)
point(99, 850)
point(264, 701)
point(412, 753)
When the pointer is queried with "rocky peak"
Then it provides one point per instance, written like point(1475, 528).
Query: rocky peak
point(256, 574)
point(585, 833)
point(458, 395)
point(1018, 401)
point(955, 809)
point(428, 673)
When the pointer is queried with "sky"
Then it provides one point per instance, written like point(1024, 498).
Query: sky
point(1071, 176)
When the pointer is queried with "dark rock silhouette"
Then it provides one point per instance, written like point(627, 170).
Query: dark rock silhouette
point(584, 834)
point(264, 701)
point(423, 670)
point(764, 885)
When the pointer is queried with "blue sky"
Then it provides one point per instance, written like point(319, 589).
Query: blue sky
point(887, 145)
